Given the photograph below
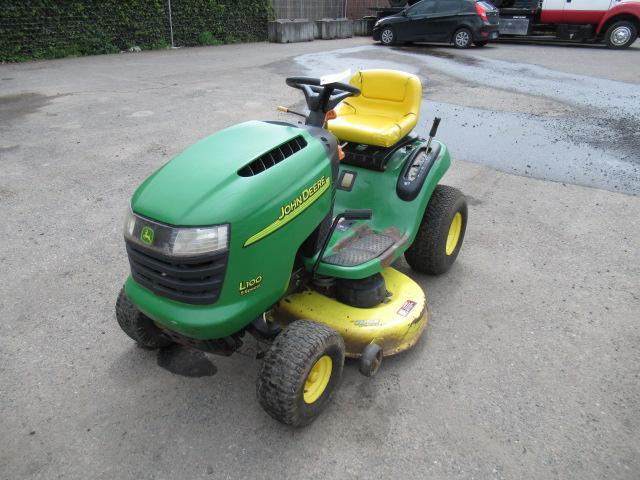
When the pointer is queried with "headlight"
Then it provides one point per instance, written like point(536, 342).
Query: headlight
point(377, 23)
point(175, 241)
point(198, 241)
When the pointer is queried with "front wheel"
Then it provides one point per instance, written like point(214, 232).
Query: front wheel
point(300, 371)
point(463, 38)
point(388, 36)
point(441, 232)
point(137, 325)
point(621, 35)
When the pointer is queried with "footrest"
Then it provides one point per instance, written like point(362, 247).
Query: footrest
point(361, 250)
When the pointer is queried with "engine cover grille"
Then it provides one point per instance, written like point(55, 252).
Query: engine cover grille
point(195, 280)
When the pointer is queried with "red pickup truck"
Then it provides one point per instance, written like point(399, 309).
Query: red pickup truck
point(614, 22)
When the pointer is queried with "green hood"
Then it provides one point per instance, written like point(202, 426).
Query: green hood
point(201, 186)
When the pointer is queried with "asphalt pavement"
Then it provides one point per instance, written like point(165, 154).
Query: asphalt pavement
point(529, 367)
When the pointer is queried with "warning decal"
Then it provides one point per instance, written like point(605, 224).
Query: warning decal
point(406, 308)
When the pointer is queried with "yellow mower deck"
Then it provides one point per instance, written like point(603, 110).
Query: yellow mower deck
point(395, 325)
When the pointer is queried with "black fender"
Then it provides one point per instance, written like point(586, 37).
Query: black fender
point(409, 190)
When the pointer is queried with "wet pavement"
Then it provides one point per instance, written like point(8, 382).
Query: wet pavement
point(587, 130)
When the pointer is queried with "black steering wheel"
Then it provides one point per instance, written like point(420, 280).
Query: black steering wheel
point(321, 98)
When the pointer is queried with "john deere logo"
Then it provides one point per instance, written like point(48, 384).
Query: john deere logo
point(294, 208)
point(146, 235)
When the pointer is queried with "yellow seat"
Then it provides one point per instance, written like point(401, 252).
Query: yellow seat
point(386, 110)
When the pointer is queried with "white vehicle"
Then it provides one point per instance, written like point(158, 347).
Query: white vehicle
point(613, 22)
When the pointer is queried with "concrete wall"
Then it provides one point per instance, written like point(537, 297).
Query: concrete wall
point(328, 29)
point(289, 31)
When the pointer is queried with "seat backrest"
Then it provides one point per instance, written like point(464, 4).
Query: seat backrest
point(388, 93)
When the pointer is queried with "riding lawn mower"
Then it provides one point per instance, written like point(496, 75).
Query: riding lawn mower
point(288, 232)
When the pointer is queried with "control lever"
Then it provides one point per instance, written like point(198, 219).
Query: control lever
point(432, 133)
point(288, 110)
point(361, 214)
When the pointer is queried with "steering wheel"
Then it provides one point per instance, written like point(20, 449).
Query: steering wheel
point(322, 98)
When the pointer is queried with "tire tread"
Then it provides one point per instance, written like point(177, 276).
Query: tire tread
point(426, 254)
point(138, 326)
point(286, 365)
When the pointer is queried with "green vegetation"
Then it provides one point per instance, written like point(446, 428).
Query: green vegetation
point(35, 29)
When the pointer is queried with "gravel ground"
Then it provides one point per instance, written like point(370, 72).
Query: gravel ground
point(528, 369)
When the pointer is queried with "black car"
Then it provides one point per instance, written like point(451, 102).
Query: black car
point(461, 22)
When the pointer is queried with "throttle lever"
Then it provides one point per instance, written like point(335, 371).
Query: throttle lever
point(288, 110)
point(432, 133)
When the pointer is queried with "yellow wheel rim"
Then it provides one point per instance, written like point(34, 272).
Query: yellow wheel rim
point(454, 233)
point(318, 379)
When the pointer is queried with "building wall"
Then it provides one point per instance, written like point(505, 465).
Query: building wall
point(361, 8)
point(310, 9)
point(316, 9)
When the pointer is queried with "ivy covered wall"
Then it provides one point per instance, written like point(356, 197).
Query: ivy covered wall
point(33, 29)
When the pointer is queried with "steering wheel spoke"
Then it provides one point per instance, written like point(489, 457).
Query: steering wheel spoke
point(321, 98)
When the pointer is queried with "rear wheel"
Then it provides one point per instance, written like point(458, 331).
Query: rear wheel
point(621, 34)
point(388, 36)
point(463, 38)
point(300, 371)
point(137, 325)
point(441, 232)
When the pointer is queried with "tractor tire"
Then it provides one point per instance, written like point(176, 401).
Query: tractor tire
point(441, 232)
point(137, 325)
point(462, 38)
point(388, 37)
point(300, 372)
point(621, 35)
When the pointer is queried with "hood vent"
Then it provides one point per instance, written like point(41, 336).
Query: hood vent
point(273, 157)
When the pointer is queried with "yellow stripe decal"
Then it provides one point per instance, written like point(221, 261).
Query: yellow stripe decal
point(293, 209)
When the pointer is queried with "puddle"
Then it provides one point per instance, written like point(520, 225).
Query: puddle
point(560, 149)
point(440, 53)
point(9, 148)
point(185, 361)
point(13, 107)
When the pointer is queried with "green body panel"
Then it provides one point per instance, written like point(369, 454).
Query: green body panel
point(201, 187)
point(391, 214)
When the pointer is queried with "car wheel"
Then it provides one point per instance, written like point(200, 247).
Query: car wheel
point(462, 38)
point(480, 44)
point(621, 34)
point(388, 36)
